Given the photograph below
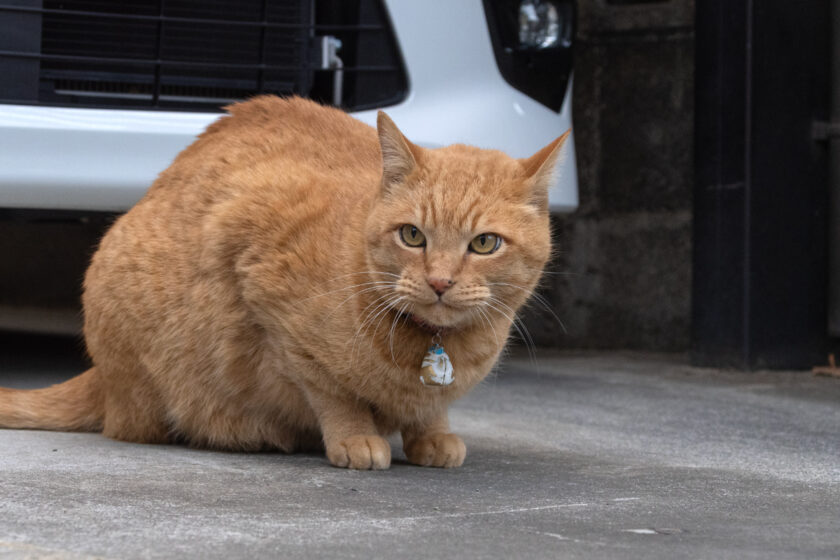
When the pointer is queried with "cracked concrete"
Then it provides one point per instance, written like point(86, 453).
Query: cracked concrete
point(576, 456)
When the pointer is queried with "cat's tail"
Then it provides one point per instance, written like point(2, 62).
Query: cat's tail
point(75, 405)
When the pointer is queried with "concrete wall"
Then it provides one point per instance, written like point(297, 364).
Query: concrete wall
point(622, 274)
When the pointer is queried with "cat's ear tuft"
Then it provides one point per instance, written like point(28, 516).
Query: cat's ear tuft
point(399, 156)
point(540, 169)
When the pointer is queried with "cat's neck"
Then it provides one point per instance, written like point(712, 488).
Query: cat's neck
point(400, 339)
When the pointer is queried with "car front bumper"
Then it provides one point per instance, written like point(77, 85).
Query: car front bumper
point(57, 158)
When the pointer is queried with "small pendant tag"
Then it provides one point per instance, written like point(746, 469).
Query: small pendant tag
point(436, 368)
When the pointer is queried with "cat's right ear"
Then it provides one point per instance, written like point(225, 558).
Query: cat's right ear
point(399, 156)
point(540, 169)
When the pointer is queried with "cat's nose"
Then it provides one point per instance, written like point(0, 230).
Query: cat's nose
point(440, 285)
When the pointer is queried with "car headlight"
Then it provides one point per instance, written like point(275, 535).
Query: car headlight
point(540, 26)
point(532, 41)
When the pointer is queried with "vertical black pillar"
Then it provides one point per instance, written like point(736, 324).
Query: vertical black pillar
point(761, 194)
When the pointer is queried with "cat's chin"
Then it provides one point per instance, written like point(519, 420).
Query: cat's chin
point(428, 326)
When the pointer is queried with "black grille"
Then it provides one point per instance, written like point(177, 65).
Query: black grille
point(194, 54)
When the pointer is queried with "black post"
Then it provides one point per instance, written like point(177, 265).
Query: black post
point(761, 189)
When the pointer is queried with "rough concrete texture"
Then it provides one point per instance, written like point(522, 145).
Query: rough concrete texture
point(578, 456)
point(634, 15)
point(622, 274)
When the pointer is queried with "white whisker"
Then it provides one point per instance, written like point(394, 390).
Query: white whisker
point(368, 317)
point(379, 311)
point(484, 317)
point(524, 335)
point(378, 304)
point(373, 272)
point(378, 282)
point(366, 290)
point(540, 299)
point(397, 317)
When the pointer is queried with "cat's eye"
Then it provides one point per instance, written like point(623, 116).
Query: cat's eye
point(485, 243)
point(412, 236)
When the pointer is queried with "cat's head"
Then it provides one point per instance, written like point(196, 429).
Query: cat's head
point(459, 234)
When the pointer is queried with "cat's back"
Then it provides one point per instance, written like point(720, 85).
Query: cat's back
point(300, 131)
point(271, 142)
point(277, 171)
point(285, 153)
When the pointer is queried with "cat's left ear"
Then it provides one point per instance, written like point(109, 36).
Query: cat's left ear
point(540, 168)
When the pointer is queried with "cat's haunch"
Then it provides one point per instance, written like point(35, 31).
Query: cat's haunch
point(279, 286)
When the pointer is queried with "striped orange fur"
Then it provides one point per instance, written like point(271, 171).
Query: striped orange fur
point(260, 296)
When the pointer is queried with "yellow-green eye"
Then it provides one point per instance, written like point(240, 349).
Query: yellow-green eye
point(412, 236)
point(485, 243)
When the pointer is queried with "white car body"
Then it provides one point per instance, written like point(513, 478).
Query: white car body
point(57, 158)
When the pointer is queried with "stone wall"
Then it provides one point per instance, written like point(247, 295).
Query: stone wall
point(622, 274)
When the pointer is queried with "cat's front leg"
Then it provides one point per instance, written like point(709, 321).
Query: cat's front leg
point(430, 444)
point(350, 435)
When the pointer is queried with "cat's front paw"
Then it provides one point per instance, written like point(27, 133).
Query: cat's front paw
point(436, 450)
point(360, 452)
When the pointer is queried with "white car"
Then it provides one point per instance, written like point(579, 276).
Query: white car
point(98, 96)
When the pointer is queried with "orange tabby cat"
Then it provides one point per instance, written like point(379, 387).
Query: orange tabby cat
point(280, 284)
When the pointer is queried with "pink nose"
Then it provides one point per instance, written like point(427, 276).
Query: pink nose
point(440, 285)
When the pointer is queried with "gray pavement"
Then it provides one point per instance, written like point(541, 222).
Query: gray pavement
point(578, 456)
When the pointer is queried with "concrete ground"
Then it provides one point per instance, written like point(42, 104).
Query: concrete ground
point(578, 456)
